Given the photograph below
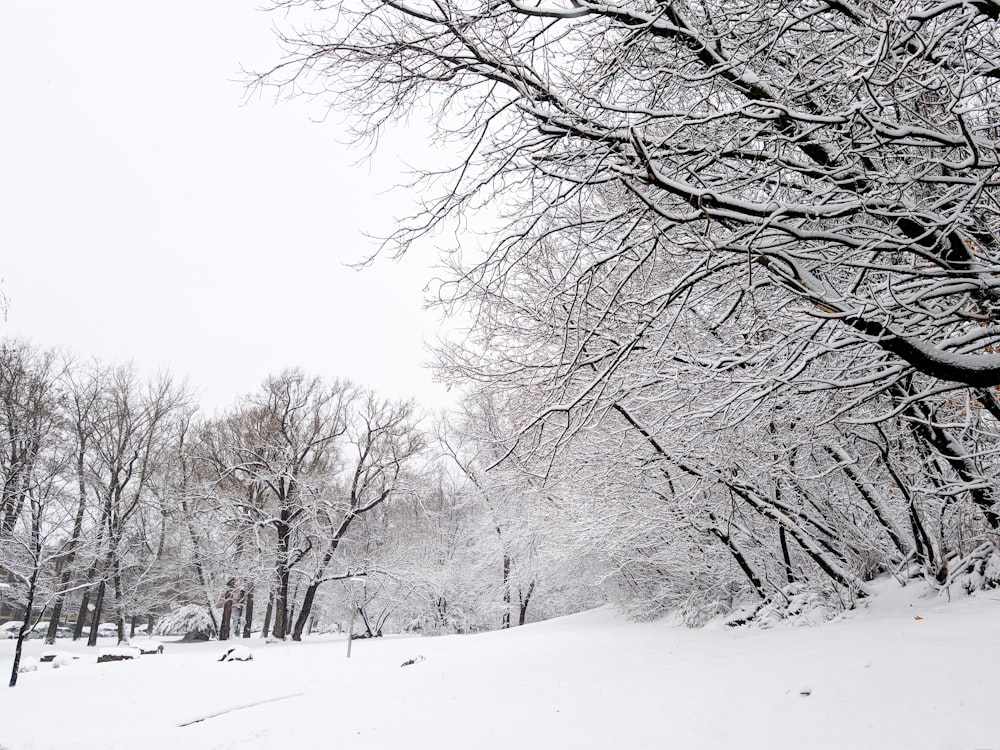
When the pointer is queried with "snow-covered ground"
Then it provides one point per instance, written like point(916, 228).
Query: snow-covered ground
point(905, 671)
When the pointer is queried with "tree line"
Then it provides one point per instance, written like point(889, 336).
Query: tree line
point(122, 503)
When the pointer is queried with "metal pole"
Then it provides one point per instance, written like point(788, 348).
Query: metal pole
point(350, 627)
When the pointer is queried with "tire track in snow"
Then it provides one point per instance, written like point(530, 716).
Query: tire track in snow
point(239, 708)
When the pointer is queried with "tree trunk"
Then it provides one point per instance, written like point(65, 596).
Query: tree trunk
point(239, 609)
point(57, 605)
point(50, 633)
point(25, 626)
point(95, 619)
point(920, 537)
point(280, 612)
point(267, 615)
point(248, 615)
point(441, 611)
point(81, 615)
point(227, 611)
point(744, 564)
point(307, 604)
point(67, 562)
point(786, 558)
point(921, 542)
point(119, 603)
point(368, 626)
point(825, 557)
point(869, 494)
point(310, 596)
point(524, 600)
point(505, 620)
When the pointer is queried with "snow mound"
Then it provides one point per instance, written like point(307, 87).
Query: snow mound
point(237, 653)
point(27, 664)
point(64, 660)
point(58, 658)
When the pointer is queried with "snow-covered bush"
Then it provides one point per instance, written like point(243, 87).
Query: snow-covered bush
point(28, 664)
point(796, 604)
point(190, 621)
point(977, 571)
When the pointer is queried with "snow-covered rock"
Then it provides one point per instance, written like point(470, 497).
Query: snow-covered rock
point(120, 653)
point(64, 660)
point(147, 645)
point(237, 653)
point(58, 658)
point(27, 664)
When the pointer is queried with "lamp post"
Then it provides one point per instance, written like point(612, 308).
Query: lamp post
point(354, 609)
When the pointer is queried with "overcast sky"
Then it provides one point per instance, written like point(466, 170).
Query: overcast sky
point(148, 213)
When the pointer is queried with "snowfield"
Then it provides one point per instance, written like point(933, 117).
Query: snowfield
point(905, 671)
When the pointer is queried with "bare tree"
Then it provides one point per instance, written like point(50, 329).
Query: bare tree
point(81, 396)
point(280, 442)
point(29, 401)
point(381, 443)
point(32, 463)
point(33, 548)
point(30, 425)
point(131, 428)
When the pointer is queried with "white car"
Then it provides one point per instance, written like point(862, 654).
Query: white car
point(42, 629)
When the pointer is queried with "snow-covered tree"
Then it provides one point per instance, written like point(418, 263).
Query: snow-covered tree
point(715, 219)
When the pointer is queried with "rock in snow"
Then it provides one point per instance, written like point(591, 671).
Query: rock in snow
point(237, 653)
point(147, 646)
point(121, 653)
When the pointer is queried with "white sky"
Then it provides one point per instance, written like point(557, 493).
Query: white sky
point(146, 213)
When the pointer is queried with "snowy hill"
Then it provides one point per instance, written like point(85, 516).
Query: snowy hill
point(905, 671)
